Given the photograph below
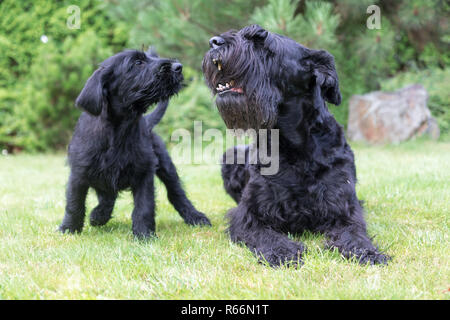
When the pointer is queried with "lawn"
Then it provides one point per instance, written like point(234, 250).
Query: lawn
point(406, 190)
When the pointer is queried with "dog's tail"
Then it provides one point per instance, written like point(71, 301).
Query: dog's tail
point(155, 117)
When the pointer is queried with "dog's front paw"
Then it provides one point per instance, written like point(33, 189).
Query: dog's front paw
point(99, 218)
point(374, 257)
point(63, 228)
point(71, 224)
point(141, 232)
point(283, 256)
point(197, 218)
point(369, 256)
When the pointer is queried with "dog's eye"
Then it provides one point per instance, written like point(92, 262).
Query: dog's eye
point(138, 62)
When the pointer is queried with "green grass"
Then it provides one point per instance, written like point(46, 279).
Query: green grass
point(407, 194)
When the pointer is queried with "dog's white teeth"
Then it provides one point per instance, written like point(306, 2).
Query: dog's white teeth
point(227, 86)
point(224, 87)
point(219, 66)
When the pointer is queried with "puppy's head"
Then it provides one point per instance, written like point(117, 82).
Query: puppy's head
point(253, 73)
point(129, 82)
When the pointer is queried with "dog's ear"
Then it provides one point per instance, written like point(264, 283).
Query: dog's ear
point(92, 97)
point(255, 32)
point(326, 76)
point(325, 81)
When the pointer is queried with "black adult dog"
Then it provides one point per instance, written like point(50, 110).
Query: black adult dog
point(113, 147)
point(265, 80)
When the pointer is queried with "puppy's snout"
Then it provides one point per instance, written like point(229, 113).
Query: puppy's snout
point(177, 67)
point(216, 42)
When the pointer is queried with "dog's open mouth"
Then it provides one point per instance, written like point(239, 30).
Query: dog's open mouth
point(228, 87)
point(225, 86)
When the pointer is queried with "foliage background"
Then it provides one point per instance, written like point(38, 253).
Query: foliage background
point(40, 81)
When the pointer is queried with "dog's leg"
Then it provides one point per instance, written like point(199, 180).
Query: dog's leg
point(143, 215)
point(268, 245)
point(234, 173)
point(102, 212)
point(167, 172)
point(352, 241)
point(75, 205)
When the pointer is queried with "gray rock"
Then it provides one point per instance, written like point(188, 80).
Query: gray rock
point(391, 117)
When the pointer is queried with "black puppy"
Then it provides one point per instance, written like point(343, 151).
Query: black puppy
point(265, 80)
point(113, 147)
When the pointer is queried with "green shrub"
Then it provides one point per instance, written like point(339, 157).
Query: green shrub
point(56, 78)
point(181, 28)
point(9, 126)
point(42, 80)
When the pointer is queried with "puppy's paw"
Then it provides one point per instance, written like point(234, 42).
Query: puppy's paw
point(283, 256)
point(98, 218)
point(147, 236)
point(71, 224)
point(197, 218)
point(65, 228)
point(141, 232)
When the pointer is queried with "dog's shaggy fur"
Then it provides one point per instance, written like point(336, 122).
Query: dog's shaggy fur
point(113, 147)
point(274, 82)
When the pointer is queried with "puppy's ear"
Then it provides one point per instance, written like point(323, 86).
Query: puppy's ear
point(152, 52)
point(92, 97)
point(326, 83)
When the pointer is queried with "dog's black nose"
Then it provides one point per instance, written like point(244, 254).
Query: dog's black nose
point(216, 42)
point(177, 67)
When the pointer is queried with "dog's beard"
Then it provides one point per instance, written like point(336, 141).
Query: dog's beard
point(252, 108)
point(239, 113)
point(233, 108)
point(141, 97)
